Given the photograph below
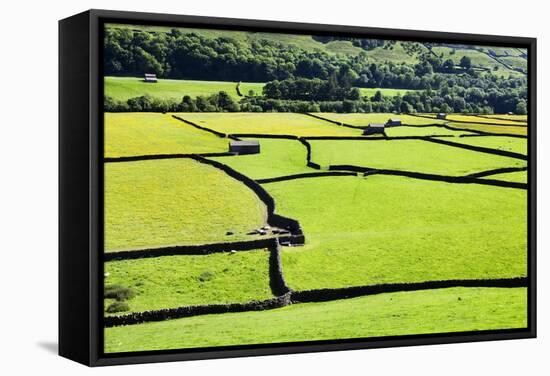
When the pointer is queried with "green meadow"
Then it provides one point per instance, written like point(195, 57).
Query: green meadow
point(132, 133)
point(483, 120)
point(403, 313)
point(124, 88)
point(520, 130)
point(407, 155)
point(273, 123)
point(370, 92)
point(422, 131)
point(478, 59)
point(175, 281)
point(277, 157)
point(518, 118)
point(359, 230)
point(383, 229)
point(175, 202)
point(361, 120)
point(185, 220)
point(517, 176)
point(513, 144)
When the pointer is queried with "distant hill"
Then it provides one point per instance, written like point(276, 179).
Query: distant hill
point(501, 61)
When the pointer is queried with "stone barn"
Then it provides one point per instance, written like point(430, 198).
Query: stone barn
point(442, 116)
point(392, 122)
point(150, 77)
point(244, 147)
point(374, 129)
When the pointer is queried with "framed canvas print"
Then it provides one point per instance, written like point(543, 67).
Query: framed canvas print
point(238, 187)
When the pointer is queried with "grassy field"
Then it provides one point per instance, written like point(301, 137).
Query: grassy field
point(514, 61)
point(436, 311)
point(365, 119)
point(305, 42)
point(519, 118)
point(479, 119)
point(123, 88)
point(489, 128)
point(513, 144)
point(174, 281)
point(277, 123)
point(369, 92)
point(421, 156)
point(392, 229)
point(128, 134)
point(359, 230)
point(394, 54)
point(518, 176)
point(422, 131)
point(478, 58)
point(175, 202)
point(277, 158)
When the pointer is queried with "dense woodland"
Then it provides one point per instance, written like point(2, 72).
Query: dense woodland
point(301, 80)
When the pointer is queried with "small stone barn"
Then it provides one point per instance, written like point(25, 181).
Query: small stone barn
point(374, 129)
point(150, 77)
point(392, 122)
point(244, 147)
point(442, 116)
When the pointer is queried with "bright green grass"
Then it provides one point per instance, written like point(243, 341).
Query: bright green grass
point(277, 158)
point(407, 155)
point(403, 313)
point(514, 117)
point(384, 229)
point(175, 202)
point(175, 281)
point(256, 87)
point(143, 133)
point(123, 88)
point(278, 123)
point(479, 119)
point(513, 144)
point(494, 129)
point(365, 119)
point(369, 92)
point(422, 131)
point(518, 177)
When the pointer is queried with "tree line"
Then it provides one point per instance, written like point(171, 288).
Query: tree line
point(294, 75)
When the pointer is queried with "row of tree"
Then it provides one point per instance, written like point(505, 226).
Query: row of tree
point(192, 56)
point(428, 101)
point(294, 75)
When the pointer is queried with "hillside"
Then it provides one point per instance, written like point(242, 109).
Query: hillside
point(502, 61)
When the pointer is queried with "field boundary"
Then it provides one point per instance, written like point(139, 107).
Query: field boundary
point(497, 171)
point(134, 158)
point(367, 171)
point(523, 123)
point(193, 250)
point(219, 134)
point(307, 296)
point(273, 219)
point(338, 123)
point(321, 295)
point(277, 281)
point(480, 149)
point(305, 175)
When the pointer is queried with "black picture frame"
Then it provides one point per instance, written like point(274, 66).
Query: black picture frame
point(81, 181)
